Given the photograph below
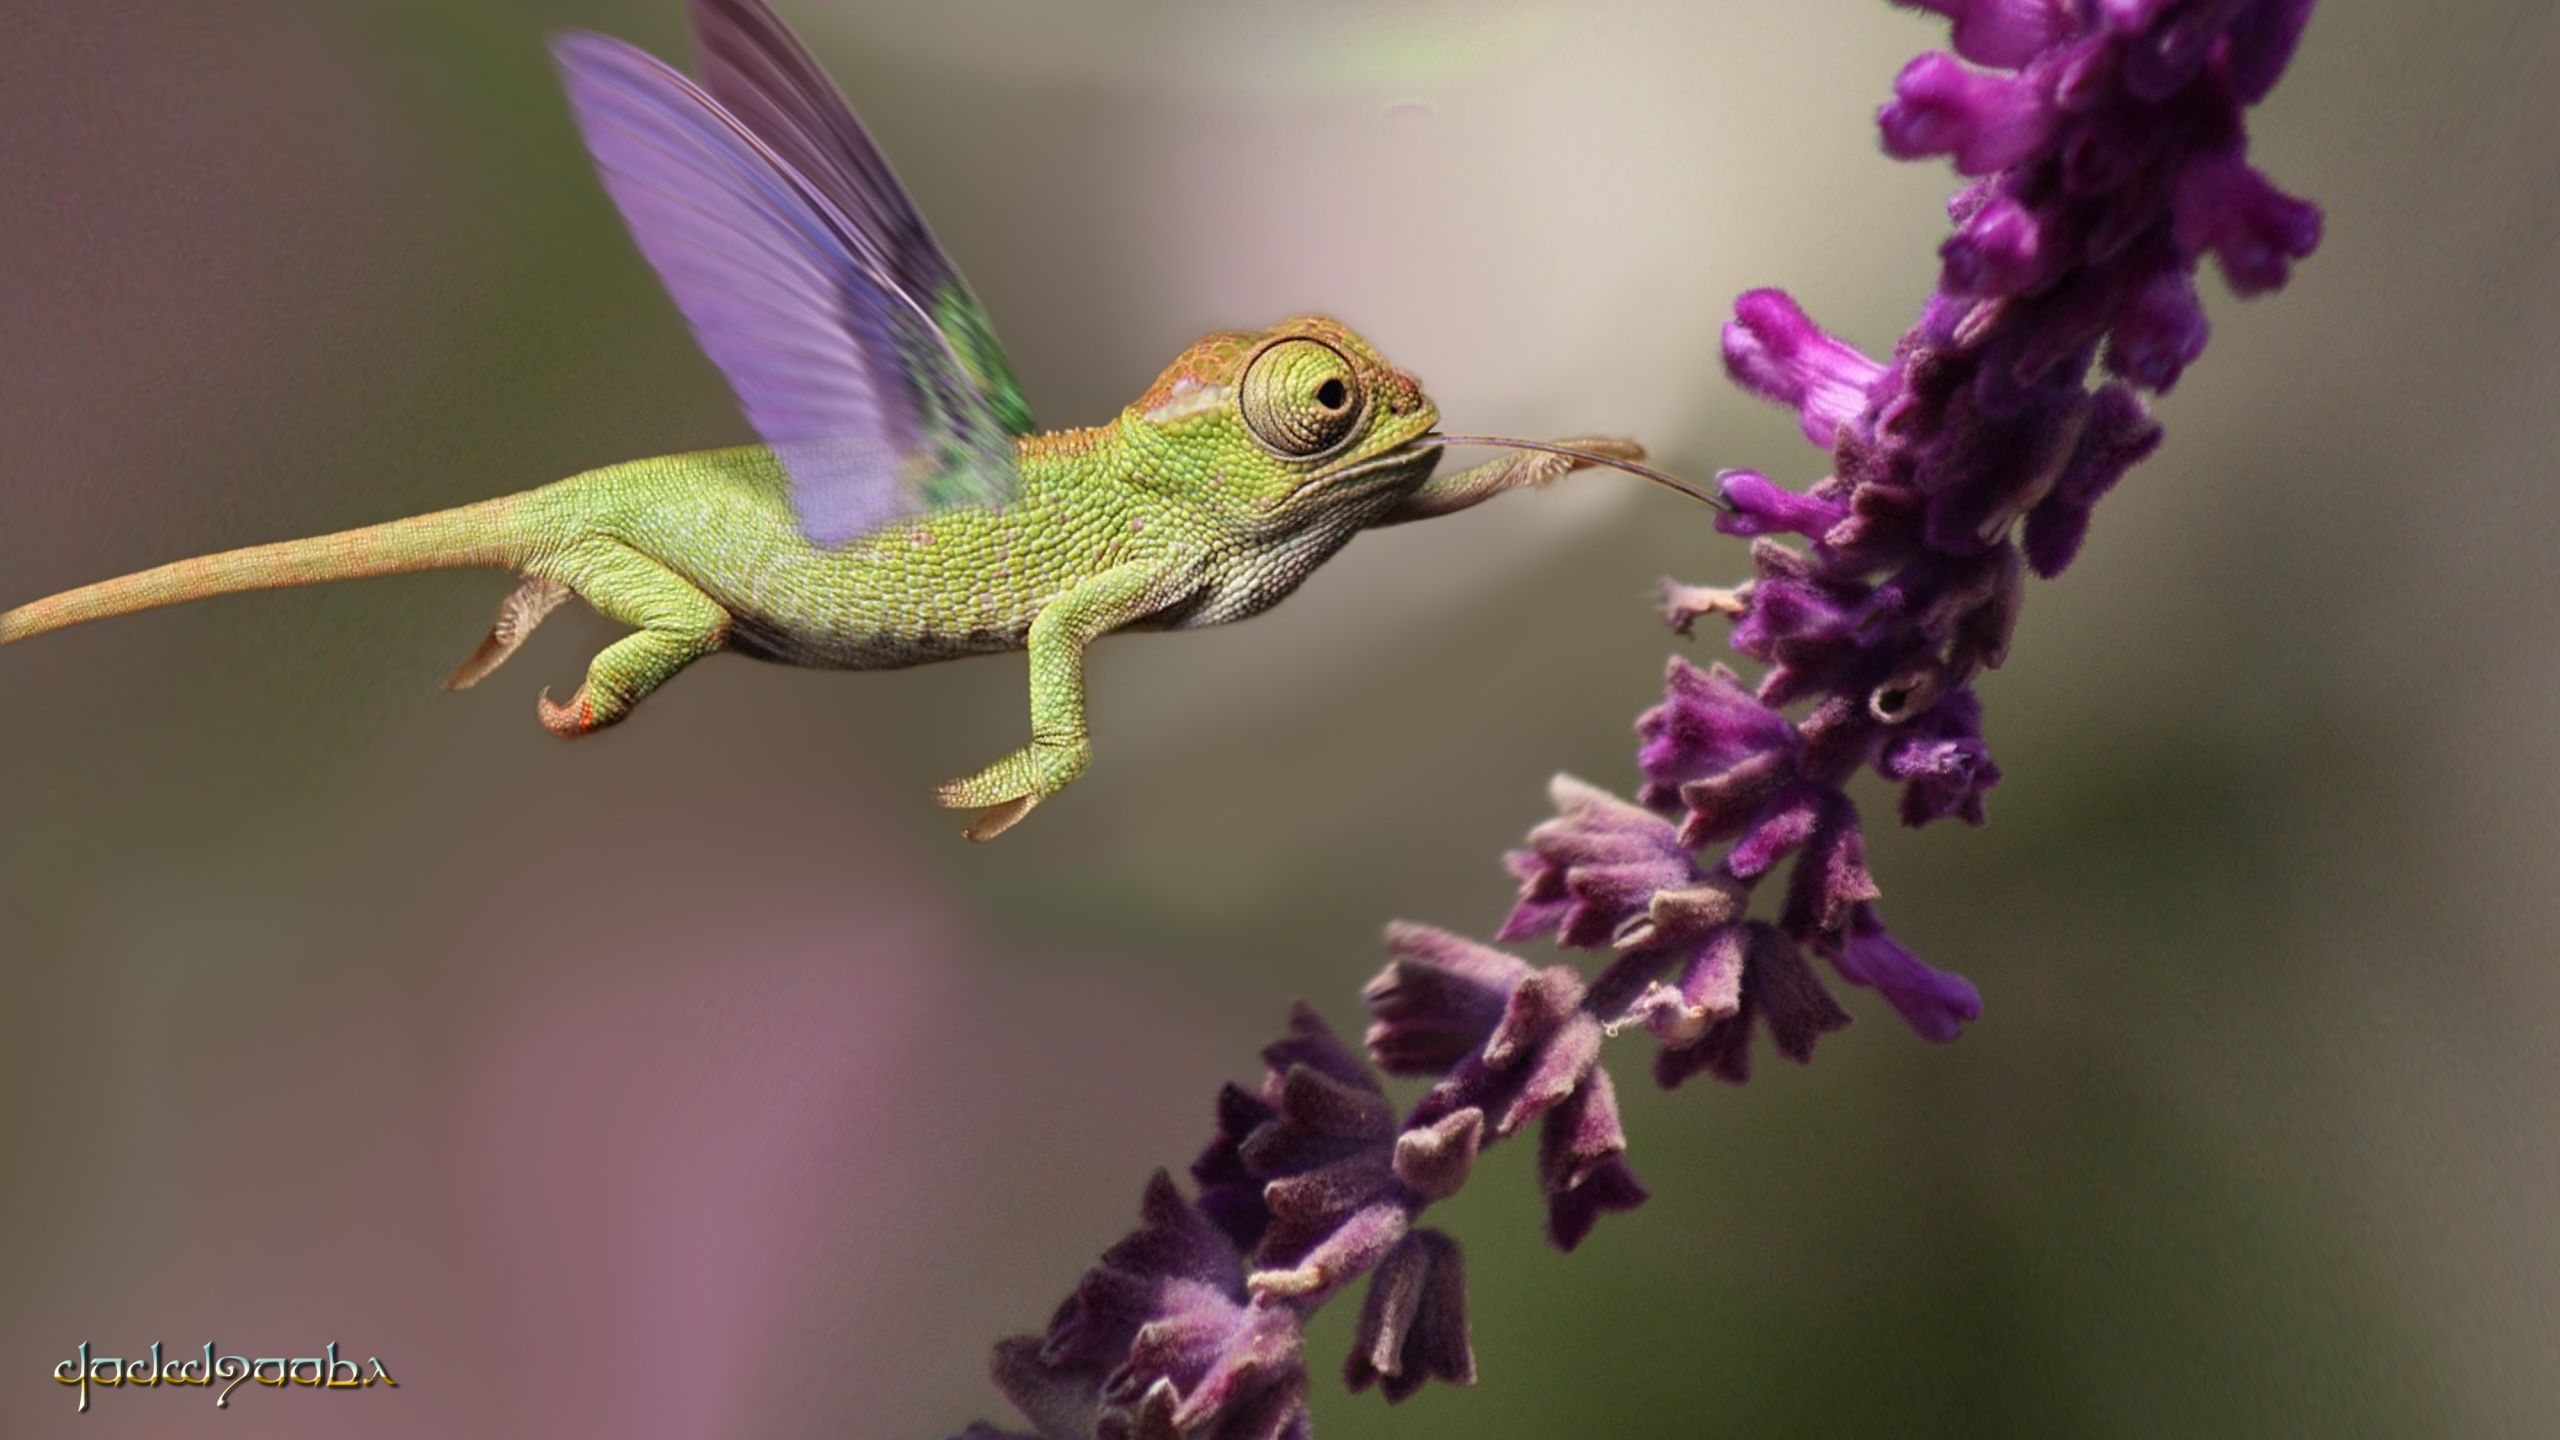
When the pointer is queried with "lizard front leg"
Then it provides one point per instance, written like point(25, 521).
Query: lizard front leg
point(1060, 748)
point(1443, 494)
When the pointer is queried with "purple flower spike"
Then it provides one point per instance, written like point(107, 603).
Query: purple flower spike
point(2109, 142)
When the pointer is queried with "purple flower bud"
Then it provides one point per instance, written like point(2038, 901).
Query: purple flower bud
point(1794, 621)
point(2159, 333)
point(1594, 868)
point(1935, 1004)
point(2005, 248)
point(1541, 1053)
point(1230, 1195)
point(1160, 1328)
point(1883, 528)
point(1987, 122)
point(1942, 762)
point(1320, 1122)
point(1438, 1000)
point(1707, 724)
point(1721, 805)
point(1334, 1238)
point(2119, 435)
point(1675, 920)
point(1542, 1060)
point(1253, 1385)
point(1831, 881)
point(1779, 993)
point(1291, 1170)
point(1982, 636)
point(2004, 34)
point(1710, 989)
point(1311, 1043)
point(2253, 229)
point(1413, 1326)
point(1995, 471)
point(1775, 351)
point(1539, 1048)
point(1781, 829)
point(1582, 1163)
point(1434, 1160)
point(1610, 1189)
point(1581, 1135)
point(2174, 44)
point(1760, 508)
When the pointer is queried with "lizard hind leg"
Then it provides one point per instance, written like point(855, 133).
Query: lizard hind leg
point(524, 608)
point(677, 625)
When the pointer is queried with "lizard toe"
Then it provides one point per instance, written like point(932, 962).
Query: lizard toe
point(1005, 791)
point(997, 819)
point(566, 721)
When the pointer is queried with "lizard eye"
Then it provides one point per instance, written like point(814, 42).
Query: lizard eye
point(1301, 399)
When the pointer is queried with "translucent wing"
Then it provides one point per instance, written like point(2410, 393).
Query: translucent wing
point(842, 371)
point(754, 65)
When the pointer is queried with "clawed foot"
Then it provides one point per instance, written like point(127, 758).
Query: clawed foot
point(1007, 790)
point(566, 721)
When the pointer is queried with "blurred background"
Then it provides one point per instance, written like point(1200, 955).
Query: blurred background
point(699, 1080)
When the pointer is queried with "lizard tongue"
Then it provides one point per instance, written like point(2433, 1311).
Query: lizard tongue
point(1587, 457)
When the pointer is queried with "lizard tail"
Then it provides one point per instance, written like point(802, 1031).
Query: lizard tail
point(481, 534)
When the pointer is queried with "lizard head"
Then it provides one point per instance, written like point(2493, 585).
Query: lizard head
point(1283, 424)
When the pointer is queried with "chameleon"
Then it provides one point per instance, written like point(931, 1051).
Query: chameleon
point(902, 507)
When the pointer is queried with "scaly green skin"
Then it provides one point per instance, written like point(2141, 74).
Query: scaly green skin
point(1174, 515)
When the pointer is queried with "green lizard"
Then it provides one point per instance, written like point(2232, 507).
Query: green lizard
point(904, 509)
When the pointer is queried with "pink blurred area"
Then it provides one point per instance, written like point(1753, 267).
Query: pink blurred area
point(706, 1148)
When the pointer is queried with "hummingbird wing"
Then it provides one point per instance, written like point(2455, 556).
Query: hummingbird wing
point(754, 65)
point(847, 375)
